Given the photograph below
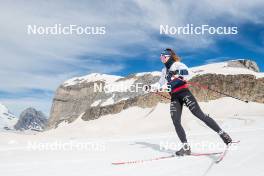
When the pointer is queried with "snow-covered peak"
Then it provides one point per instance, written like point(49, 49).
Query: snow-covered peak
point(3, 109)
point(92, 78)
point(224, 68)
point(154, 73)
point(231, 67)
point(7, 120)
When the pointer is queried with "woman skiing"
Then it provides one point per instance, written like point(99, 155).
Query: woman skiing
point(174, 76)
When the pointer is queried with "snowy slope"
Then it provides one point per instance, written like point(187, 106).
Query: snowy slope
point(136, 134)
point(246, 159)
point(7, 120)
point(136, 120)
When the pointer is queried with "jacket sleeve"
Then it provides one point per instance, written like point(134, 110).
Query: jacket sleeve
point(162, 79)
point(162, 83)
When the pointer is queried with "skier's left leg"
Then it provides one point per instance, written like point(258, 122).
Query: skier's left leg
point(194, 107)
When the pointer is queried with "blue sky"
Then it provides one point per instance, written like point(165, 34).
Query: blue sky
point(32, 67)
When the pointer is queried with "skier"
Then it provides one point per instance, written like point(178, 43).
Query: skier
point(174, 76)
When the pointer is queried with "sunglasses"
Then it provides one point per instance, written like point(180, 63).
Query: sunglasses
point(163, 58)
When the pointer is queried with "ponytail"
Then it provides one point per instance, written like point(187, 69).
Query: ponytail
point(175, 57)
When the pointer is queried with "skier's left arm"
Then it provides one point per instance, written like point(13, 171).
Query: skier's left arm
point(178, 75)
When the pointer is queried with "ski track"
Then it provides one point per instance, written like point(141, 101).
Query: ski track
point(28, 163)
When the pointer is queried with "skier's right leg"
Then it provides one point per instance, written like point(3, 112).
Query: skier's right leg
point(176, 111)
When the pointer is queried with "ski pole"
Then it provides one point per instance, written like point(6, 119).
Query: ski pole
point(162, 95)
point(208, 88)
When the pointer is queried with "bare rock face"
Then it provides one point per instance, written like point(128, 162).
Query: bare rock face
point(144, 101)
point(244, 63)
point(244, 86)
point(71, 101)
point(78, 98)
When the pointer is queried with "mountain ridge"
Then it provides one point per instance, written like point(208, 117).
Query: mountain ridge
point(236, 77)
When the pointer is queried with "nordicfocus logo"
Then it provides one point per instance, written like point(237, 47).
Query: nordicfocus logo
point(59, 29)
point(190, 29)
point(203, 146)
point(67, 146)
point(122, 87)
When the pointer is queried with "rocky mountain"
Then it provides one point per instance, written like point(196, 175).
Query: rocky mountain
point(95, 95)
point(7, 119)
point(31, 119)
point(244, 63)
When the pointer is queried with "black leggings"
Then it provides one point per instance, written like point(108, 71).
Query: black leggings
point(187, 98)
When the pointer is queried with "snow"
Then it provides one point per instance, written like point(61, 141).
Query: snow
point(92, 78)
point(136, 120)
point(138, 133)
point(214, 68)
point(3, 109)
point(6, 118)
point(109, 101)
point(120, 86)
point(222, 68)
point(111, 82)
point(96, 103)
point(154, 73)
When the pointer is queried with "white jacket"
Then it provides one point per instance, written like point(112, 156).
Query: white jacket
point(175, 66)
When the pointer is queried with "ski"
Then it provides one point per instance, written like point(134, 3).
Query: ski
point(222, 156)
point(164, 157)
point(206, 154)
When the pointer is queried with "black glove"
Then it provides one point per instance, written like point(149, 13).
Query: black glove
point(147, 88)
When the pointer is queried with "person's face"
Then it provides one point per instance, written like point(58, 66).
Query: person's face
point(164, 58)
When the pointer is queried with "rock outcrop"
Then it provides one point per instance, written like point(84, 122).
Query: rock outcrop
point(31, 119)
point(244, 63)
point(77, 97)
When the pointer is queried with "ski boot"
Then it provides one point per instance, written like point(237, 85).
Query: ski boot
point(225, 137)
point(185, 150)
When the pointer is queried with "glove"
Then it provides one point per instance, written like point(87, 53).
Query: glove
point(177, 82)
point(147, 88)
